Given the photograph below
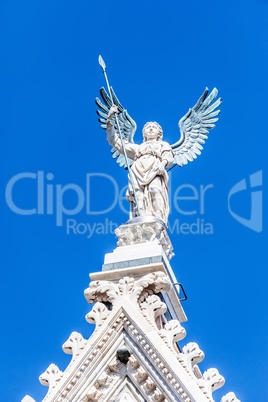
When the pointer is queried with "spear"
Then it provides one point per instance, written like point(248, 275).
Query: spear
point(103, 66)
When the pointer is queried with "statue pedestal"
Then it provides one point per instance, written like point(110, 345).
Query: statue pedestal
point(143, 248)
point(145, 230)
point(136, 261)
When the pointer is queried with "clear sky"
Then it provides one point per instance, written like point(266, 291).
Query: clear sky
point(160, 56)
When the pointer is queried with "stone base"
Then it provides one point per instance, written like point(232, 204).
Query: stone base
point(116, 267)
point(148, 231)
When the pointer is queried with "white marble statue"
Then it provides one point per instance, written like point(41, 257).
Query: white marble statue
point(150, 178)
point(147, 162)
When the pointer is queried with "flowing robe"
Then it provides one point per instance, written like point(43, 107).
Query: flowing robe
point(151, 187)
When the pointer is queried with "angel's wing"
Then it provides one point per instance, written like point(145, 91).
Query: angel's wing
point(127, 124)
point(194, 127)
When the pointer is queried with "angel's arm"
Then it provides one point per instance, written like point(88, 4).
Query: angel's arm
point(115, 142)
point(114, 139)
point(123, 122)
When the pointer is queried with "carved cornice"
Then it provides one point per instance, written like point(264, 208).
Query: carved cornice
point(126, 297)
point(135, 290)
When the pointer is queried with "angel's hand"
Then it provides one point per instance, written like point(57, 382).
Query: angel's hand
point(161, 168)
point(112, 112)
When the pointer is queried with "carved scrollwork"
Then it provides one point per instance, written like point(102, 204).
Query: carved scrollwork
point(211, 381)
point(152, 308)
point(98, 314)
point(126, 286)
point(172, 333)
point(230, 397)
point(101, 291)
point(51, 376)
point(155, 282)
point(136, 291)
point(191, 356)
point(74, 344)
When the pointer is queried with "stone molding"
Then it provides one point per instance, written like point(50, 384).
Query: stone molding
point(129, 313)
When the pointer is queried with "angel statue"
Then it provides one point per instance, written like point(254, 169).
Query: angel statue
point(148, 179)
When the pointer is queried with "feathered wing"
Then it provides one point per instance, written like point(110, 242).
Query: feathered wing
point(194, 127)
point(127, 124)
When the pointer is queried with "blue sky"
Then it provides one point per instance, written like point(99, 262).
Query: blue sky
point(160, 56)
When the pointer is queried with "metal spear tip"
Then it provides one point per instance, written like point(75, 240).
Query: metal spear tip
point(101, 63)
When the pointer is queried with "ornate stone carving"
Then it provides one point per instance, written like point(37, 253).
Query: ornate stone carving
point(230, 397)
point(191, 356)
point(74, 344)
point(141, 374)
point(28, 398)
point(155, 282)
point(98, 314)
point(149, 385)
point(101, 291)
point(51, 376)
point(115, 366)
point(143, 233)
point(127, 287)
point(211, 381)
point(93, 395)
point(133, 363)
point(152, 308)
point(148, 180)
point(172, 333)
point(102, 381)
point(158, 396)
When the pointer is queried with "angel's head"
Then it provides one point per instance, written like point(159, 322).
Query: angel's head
point(151, 131)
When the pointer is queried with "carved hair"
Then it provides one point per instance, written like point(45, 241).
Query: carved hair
point(160, 130)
